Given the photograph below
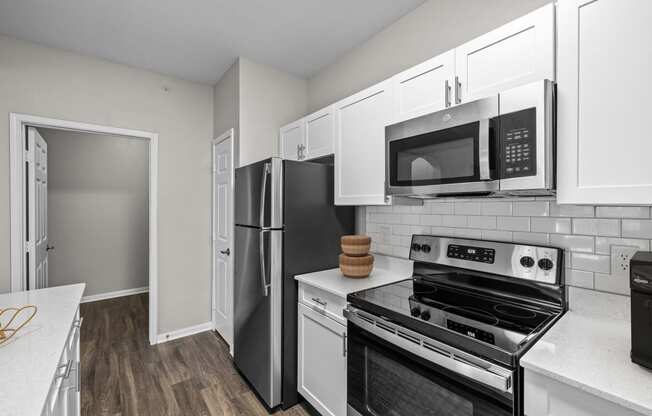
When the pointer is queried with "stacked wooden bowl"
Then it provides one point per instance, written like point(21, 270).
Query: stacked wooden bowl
point(355, 260)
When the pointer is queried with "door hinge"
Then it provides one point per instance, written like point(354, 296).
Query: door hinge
point(27, 155)
point(28, 247)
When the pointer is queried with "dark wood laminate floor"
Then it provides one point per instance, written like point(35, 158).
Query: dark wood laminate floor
point(122, 375)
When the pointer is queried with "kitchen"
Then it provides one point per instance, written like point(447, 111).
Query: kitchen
point(481, 164)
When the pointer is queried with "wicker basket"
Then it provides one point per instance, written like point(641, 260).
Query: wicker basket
point(356, 245)
point(356, 267)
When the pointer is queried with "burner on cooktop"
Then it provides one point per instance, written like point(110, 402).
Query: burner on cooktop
point(473, 313)
point(514, 311)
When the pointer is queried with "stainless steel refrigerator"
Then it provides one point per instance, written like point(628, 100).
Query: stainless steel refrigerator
point(285, 224)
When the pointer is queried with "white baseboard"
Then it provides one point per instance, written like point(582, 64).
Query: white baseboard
point(184, 332)
point(115, 294)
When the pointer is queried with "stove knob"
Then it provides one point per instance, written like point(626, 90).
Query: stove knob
point(425, 248)
point(425, 315)
point(416, 311)
point(416, 247)
point(527, 261)
point(545, 264)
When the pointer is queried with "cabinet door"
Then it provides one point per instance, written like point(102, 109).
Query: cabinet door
point(319, 133)
point(292, 140)
point(424, 88)
point(360, 122)
point(322, 362)
point(604, 102)
point(519, 52)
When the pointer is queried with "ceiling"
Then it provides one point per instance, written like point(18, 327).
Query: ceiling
point(199, 39)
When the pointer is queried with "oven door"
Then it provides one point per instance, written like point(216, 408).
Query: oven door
point(388, 379)
point(448, 152)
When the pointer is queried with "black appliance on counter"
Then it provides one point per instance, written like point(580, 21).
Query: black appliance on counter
point(286, 224)
point(641, 286)
point(448, 341)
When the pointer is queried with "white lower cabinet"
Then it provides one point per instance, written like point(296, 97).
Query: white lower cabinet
point(547, 397)
point(322, 361)
point(64, 396)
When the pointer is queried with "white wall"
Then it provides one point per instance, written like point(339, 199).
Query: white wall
point(432, 28)
point(98, 210)
point(269, 99)
point(226, 105)
point(58, 84)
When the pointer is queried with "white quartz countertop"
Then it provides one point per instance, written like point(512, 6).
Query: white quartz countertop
point(386, 270)
point(589, 347)
point(28, 362)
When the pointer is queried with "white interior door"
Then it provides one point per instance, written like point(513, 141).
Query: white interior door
point(37, 210)
point(222, 296)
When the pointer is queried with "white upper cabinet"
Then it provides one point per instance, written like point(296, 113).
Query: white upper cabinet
point(360, 122)
point(519, 52)
point(604, 91)
point(292, 140)
point(424, 88)
point(319, 133)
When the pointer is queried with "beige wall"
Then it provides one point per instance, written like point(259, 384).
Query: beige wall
point(98, 210)
point(226, 104)
point(269, 99)
point(433, 28)
point(53, 83)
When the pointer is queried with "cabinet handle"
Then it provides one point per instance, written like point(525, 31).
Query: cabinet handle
point(447, 94)
point(298, 152)
point(344, 344)
point(319, 301)
point(66, 373)
point(458, 90)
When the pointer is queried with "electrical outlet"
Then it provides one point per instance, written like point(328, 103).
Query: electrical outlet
point(620, 258)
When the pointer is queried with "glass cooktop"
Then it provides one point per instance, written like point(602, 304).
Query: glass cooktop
point(501, 322)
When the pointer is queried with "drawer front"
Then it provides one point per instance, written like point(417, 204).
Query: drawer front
point(323, 302)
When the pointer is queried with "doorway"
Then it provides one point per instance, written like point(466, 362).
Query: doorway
point(222, 237)
point(30, 245)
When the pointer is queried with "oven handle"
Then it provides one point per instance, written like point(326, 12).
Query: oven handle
point(483, 150)
point(443, 355)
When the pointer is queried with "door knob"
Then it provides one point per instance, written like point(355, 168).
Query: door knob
point(226, 252)
point(49, 248)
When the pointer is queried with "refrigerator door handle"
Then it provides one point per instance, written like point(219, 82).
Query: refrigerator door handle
point(263, 269)
point(263, 192)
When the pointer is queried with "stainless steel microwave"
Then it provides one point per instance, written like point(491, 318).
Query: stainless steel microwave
point(502, 145)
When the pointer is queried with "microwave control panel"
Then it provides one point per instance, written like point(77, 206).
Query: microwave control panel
point(518, 141)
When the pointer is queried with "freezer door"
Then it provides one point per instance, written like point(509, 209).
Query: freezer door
point(259, 194)
point(257, 314)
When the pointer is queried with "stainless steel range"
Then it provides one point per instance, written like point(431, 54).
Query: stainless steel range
point(448, 341)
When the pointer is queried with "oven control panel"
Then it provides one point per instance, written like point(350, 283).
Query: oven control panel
point(518, 143)
point(479, 254)
point(472, 332)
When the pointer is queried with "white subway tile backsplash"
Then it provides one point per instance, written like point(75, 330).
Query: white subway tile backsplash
point(637, 228)
point(551, 225)
point(614, 284)
point(602, 227)
point(579, 278)
point(578, 243)
point(530, 238)
point(513, 223)
point(531, 209)
point(454, 221)
point(585, 233)
point(591, 262)
point(623, 212)
point(496, 208)
point(603, 244)
point(483, 222)
point(496, 235)
point(443, 208)
point(468, 208)
point(430, 220)
point(565, 210)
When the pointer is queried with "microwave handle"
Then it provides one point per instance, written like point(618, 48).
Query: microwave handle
point(483, 150)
